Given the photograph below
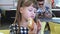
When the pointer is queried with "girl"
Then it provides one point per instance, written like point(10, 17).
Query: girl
point(25, 9)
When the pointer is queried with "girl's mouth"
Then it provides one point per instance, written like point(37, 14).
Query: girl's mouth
point(32, 16)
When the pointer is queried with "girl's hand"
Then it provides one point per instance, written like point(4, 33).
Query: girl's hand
point(38, 25)
point(34, 31)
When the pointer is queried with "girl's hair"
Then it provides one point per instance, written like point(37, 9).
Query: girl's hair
point(22, 3)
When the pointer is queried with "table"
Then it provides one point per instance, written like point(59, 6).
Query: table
point(47, 21)
point(54, 19)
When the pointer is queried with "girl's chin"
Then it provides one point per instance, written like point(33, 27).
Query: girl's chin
point(31, 17)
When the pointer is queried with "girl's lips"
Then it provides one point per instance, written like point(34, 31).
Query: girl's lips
point(32, 16)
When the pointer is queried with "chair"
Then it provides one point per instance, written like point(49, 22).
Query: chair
point(4, 31)
point(43, 27)
point(54, 28)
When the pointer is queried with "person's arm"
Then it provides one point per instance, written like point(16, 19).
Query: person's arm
point(48, 13)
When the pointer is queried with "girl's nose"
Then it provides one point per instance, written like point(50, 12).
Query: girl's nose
point(33, 13)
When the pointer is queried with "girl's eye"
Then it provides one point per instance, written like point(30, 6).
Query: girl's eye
point(30, 10)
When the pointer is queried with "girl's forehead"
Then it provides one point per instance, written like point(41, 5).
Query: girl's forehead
point(31, 8)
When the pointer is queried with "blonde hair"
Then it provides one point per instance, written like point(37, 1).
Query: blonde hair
point(22, 3)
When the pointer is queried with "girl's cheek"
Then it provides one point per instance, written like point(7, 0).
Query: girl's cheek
point(28, 15)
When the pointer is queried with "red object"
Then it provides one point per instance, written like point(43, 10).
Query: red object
point(52, 3)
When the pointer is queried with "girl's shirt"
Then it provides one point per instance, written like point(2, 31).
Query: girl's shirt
point(14, 28)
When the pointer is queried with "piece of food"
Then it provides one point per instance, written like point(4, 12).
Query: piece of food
point(31, 23)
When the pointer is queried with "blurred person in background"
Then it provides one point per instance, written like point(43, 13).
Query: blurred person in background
point(43, 14)
point(43, 11)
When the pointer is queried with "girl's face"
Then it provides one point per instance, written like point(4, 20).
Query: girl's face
point(28, 12)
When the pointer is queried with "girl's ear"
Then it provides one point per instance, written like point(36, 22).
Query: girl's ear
point(21, 10)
